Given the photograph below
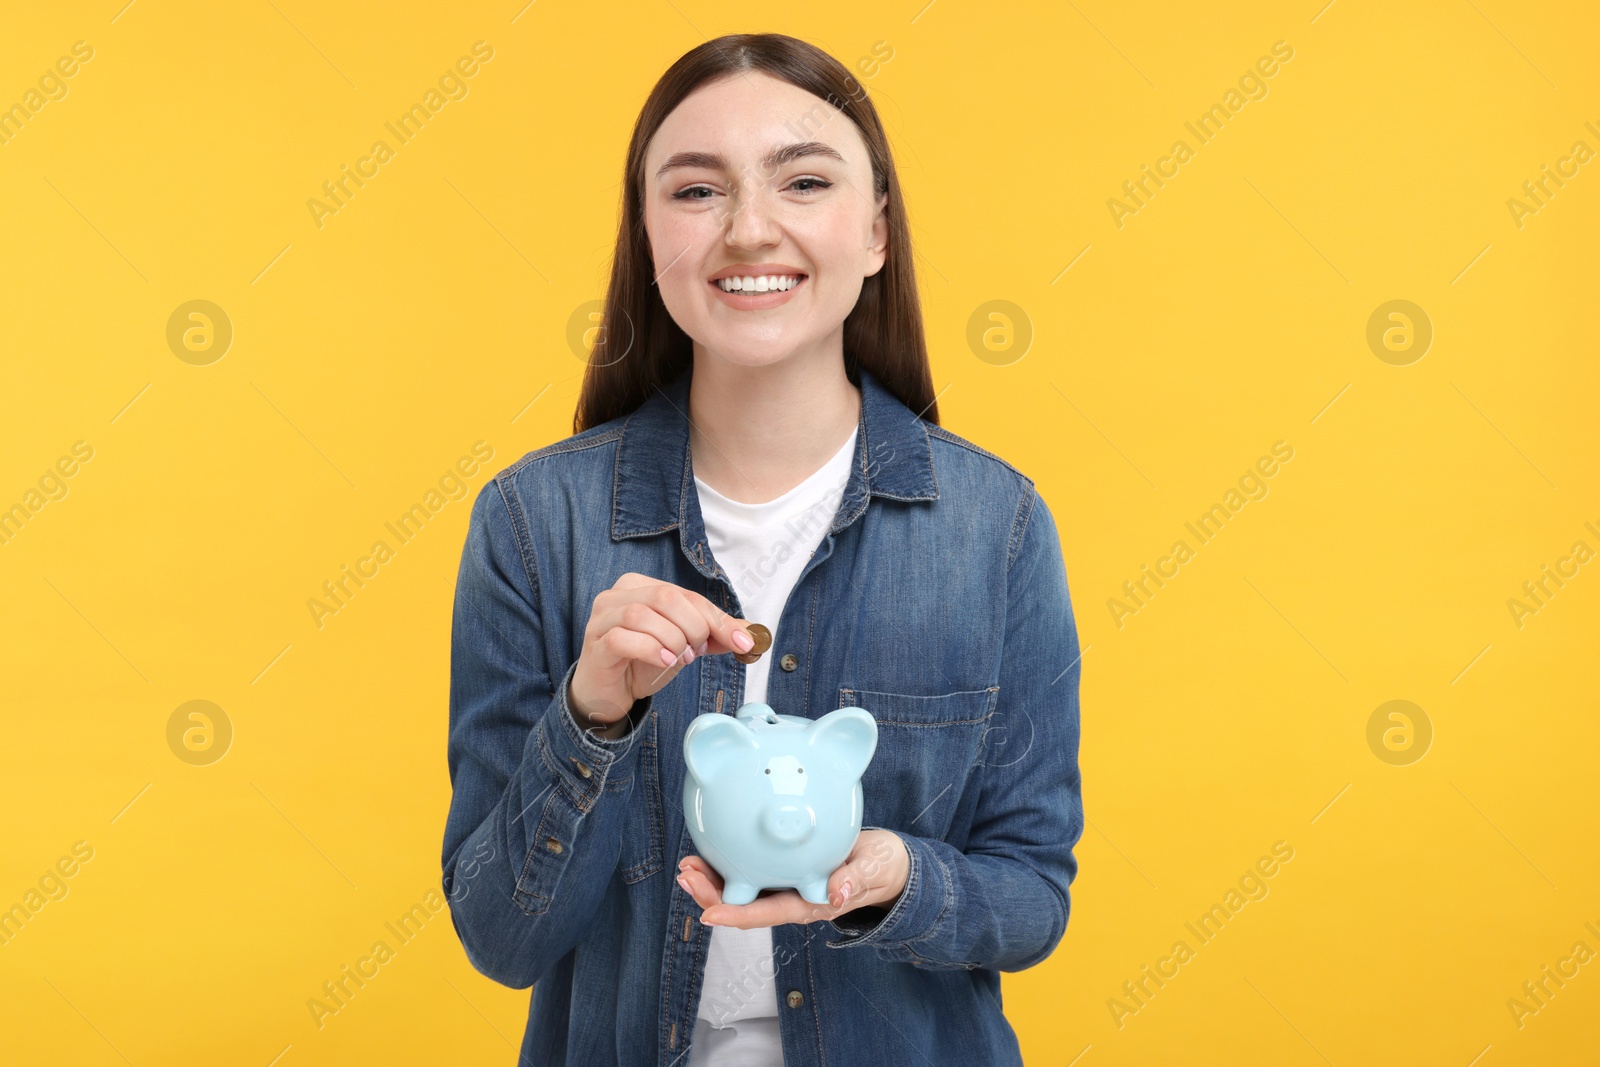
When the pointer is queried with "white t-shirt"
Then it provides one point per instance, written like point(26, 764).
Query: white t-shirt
point(763, 548)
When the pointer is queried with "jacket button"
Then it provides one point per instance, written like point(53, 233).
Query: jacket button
point(789, 663)
point(583, 768)
point(553, 845)
point(795, 999)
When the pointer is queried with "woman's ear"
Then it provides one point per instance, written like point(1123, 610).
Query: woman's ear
point(878, 248)
point(846, 738)
point(716, 745)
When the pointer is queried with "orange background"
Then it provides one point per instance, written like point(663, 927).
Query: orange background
point(1142, 362)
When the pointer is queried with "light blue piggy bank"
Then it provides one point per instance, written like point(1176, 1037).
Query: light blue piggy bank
point(774, 801)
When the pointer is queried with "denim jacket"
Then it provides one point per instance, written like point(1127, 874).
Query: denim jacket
point(937, 600)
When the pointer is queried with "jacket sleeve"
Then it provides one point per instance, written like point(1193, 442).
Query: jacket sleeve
point(1003, 902)
point(532, 836)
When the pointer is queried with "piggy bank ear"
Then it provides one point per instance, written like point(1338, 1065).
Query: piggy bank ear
point(845, 739)
point(717, 745)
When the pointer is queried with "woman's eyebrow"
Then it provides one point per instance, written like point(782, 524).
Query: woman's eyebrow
point(772, 161)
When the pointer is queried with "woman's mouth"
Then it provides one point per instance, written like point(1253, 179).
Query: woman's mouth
point(752, 293)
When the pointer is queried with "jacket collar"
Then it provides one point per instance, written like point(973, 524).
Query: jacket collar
point(653, 487)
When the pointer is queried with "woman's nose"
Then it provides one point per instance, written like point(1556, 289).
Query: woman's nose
point(751, 224)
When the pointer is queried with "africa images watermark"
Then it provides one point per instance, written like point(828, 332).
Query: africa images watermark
point(1538, 192)
point(52, 88)
point(52, 887)
point(452, 86)
point(870, 66)
point(1252, 85)
point(1252, 486)
point(1252, 886)
point(1537, 992)
point(1538, 592)
point(51, 486)
point(339, 991)
point(452, 485)
point(800, 528)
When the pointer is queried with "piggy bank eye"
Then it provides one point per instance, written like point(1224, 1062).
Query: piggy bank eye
point(802, 770)
point(769, 770)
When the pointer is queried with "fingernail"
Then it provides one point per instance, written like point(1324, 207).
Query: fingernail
point(688, 656)
point(706, 922)
point(667, 658)
point(703, 646)
point(743, 641)
point(683, 883)
point(844, 891)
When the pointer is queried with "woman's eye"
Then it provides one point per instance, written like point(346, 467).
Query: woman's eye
point(812, 186)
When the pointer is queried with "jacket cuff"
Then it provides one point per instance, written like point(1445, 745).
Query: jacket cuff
point(579, 765)
point(917, 913)
point(585, 760)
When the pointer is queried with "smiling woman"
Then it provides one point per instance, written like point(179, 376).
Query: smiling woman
point(741, 143)
point(773, 390)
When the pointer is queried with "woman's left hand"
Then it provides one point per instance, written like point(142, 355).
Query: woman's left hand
point(874, 873)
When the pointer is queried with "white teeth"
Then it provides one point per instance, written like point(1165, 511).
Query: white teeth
point(765, 283)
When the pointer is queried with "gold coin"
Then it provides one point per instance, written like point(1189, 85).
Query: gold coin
point(763, 639)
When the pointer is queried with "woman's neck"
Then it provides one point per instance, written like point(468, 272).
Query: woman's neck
point(757, 432)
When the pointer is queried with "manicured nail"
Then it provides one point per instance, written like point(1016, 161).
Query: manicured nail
point(667, 658)
point(743, 641)
point(703, 646)
point(683, 883)
point(844, 892)
point(706, 922)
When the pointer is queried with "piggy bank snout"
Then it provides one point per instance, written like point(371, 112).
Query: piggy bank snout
point(788, 823)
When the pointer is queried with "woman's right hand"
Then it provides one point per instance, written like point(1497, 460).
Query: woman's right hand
point(641, 632)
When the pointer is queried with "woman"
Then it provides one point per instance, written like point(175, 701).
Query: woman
point(765, 450)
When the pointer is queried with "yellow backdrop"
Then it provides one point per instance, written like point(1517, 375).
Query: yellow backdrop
point(1279, 305)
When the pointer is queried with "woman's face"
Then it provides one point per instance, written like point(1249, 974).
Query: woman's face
point(752, 176)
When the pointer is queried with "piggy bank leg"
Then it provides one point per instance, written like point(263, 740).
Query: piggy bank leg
point(816, 892)
point(735, 892)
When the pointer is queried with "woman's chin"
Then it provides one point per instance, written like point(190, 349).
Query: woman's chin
point(749, 352)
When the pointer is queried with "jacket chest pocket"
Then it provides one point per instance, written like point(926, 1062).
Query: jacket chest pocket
point(927, 745)
point(643, 829)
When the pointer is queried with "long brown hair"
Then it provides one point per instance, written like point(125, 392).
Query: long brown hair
point(640, 347)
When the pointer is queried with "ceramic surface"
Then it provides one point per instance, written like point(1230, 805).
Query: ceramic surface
point(774, 801)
